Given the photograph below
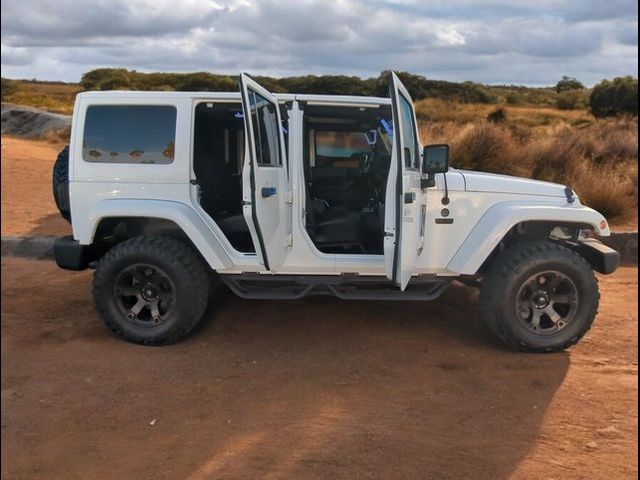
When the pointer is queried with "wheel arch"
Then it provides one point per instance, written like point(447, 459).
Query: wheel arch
point(502, 221)
point(112, 221)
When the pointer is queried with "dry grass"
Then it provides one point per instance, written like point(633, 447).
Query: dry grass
point(50, 96)
point(599, 161)
point(524, 115)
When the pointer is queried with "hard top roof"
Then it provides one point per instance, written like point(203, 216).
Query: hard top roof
point(283, 97)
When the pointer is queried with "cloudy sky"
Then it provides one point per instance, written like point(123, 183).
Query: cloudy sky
point(531, 42)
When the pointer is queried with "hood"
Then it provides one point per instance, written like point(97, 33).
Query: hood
point(492, 182)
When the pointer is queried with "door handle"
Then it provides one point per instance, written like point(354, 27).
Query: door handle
point(269, 191)
point(409, 197)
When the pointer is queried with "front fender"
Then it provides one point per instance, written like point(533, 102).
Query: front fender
point(502, 217)
point(182, 215)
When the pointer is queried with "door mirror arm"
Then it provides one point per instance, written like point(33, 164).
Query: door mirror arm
point(429, 181)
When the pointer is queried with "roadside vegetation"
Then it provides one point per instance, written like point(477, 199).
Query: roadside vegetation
point(599, 160)
point(57, 97)
point(585, 138)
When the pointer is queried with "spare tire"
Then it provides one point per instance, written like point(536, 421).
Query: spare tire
point(61, 184)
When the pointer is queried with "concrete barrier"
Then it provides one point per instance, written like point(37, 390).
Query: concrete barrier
point(42, 247)
point(29, 122)
point(624, 242)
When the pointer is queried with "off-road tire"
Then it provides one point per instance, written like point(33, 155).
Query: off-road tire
point(60, 181)
point(186, 271)
point(508, 272)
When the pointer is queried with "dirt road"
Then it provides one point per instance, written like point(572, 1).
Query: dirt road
point(318, 388)
point(28, 207)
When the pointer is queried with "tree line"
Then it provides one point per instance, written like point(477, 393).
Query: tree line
point(618, 96)
point(418, 86)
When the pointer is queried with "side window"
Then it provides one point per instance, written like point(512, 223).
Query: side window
point(129, 134)
point(265, 130)
point(411, 154)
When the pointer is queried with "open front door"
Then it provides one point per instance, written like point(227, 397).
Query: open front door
point(405, 207)
point(265, 187)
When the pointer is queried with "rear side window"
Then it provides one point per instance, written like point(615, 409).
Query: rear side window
point(129, 134)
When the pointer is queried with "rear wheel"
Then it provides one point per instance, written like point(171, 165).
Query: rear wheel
point(60, 183)
point(539, 297)
point(151, 290)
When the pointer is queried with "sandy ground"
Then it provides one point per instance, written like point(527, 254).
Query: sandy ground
point(319, 388)
point(28, 207)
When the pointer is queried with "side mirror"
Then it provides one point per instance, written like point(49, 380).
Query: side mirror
point(435, 159)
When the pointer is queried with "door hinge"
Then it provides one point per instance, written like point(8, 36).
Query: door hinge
point(289, 240)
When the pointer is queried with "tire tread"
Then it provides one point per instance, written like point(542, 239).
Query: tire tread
point(512, 261)
point(169, 249)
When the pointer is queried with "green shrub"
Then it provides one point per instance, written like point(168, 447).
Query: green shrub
point(568, 83)
point(611, 98)
point(419, 87)
point(7, 87)
point(499, 115)
point(206, 82)
point(571, 100)
point(513, 98)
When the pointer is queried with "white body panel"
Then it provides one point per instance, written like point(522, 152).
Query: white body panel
point(405, 211)
point(484, 207)
point(268, 217)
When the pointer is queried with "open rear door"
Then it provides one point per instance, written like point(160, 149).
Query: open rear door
point(265, 187)
point(405, 207)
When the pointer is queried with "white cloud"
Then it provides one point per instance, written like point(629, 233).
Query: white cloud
point(526, 41)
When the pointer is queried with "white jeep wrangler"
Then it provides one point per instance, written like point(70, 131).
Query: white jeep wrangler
point(282, 196)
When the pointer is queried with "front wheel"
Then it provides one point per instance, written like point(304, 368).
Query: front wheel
point(151, 290)
point(539, 297)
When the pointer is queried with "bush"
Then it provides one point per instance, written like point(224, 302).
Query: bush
point(106, 79)
point(568, 83)
point(419, 87)
point(513, 98)
point(486, 147)
point(599, 161)
point(611, 98)
point(8, 87)
point(499, 115)
point(571, 100)
point(206, 82)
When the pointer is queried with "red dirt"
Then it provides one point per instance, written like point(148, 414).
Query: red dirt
point(28, 207)
point(319, 388)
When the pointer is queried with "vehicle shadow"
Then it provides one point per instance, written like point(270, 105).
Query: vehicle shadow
point(317, 388)
point(379, 389)
point(52, 224)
